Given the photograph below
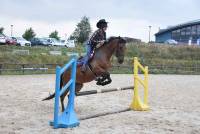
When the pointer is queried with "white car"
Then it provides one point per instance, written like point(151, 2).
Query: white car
point(55, 42)
point(171, 41)
point(70, 43)
point(21, 41)
point(2, 39)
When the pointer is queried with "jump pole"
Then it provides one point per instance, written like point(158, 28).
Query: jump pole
point(104, 114)
point(90, 92)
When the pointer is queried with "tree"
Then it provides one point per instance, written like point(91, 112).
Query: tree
point(29, 34)
point(54, 34)
point(1, 30)
point(82, 31)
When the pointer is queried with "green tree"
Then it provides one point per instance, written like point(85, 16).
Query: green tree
point(54, 34)
point(82, 31)
point(1, 30)
point(29, 34)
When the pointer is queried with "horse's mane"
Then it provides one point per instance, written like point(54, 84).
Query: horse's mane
point(121, 40)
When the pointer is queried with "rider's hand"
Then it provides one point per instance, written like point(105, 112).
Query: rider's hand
point(100, 43)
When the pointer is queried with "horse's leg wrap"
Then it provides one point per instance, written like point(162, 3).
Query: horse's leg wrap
point(104, 79)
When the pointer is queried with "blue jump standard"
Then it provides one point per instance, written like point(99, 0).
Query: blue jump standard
point(68, 118)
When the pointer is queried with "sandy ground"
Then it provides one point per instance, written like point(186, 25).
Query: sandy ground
point(174, 102)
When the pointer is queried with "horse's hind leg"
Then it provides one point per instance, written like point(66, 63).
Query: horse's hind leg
point(62, 97)
point(78, 87)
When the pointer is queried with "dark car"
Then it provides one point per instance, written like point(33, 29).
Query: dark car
point(39, 41)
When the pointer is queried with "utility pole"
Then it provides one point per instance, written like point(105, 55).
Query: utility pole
point(149, 34)
point(11, 30)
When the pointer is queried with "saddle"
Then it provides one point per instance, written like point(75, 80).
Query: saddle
point(81, 59)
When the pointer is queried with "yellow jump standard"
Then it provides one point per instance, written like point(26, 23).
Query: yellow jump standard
point(137, 103)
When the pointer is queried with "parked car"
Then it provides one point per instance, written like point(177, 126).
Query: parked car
point(55, 42)
point(10, 41)
point(21, 41)
point(2, 39)
point(171, 41)
point(70, 43)
point(39, 41)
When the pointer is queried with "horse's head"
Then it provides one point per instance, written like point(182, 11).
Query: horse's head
point(120, 50)
point(119, 47)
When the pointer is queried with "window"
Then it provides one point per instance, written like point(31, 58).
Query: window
point(194, 30)
point(176, 35)
point(198, 30)
point(183, 31)
point(187, 30)
point(173, 33)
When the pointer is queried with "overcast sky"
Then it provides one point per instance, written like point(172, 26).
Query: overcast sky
point(126, 17)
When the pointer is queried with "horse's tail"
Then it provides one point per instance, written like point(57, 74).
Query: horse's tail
point(49, 97)
point(53, 95)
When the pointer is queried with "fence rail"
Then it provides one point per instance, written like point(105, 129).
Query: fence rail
point(6, 68)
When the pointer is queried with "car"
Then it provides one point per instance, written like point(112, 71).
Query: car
point(2, 39)
point(171, 41)
point(55, 42)
point(21, 41)
point(39, 41)
point(10, 41)
point(70, 43)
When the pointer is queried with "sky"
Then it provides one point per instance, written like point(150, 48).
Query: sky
point(127, 18)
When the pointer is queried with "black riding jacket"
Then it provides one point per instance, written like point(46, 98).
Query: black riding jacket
point(97, 37)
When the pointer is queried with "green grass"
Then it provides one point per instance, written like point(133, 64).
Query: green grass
point(178, 57)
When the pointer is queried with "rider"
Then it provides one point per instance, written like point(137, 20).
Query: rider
point(97, 38)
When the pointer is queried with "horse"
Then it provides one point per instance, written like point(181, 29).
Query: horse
point(97, 66)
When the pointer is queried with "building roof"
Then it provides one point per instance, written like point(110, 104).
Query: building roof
point(171, 28)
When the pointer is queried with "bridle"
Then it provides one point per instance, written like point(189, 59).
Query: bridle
point(119, 47)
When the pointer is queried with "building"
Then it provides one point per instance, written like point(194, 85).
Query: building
point(182, 33)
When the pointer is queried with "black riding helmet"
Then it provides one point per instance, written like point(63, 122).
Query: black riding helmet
point(102, 23)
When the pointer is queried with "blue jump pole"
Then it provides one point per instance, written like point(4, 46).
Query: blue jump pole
point(67, 118)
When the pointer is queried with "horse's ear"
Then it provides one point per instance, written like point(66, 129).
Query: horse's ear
point(122, 40)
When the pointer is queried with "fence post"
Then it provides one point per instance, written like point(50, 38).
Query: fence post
point(23, 68)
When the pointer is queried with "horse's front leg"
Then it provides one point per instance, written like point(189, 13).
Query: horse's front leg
point(106, 79)
point(78, 87)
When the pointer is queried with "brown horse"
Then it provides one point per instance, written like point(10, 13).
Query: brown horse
point(98, 65)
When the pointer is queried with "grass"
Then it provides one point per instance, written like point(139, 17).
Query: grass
point(178, 57)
